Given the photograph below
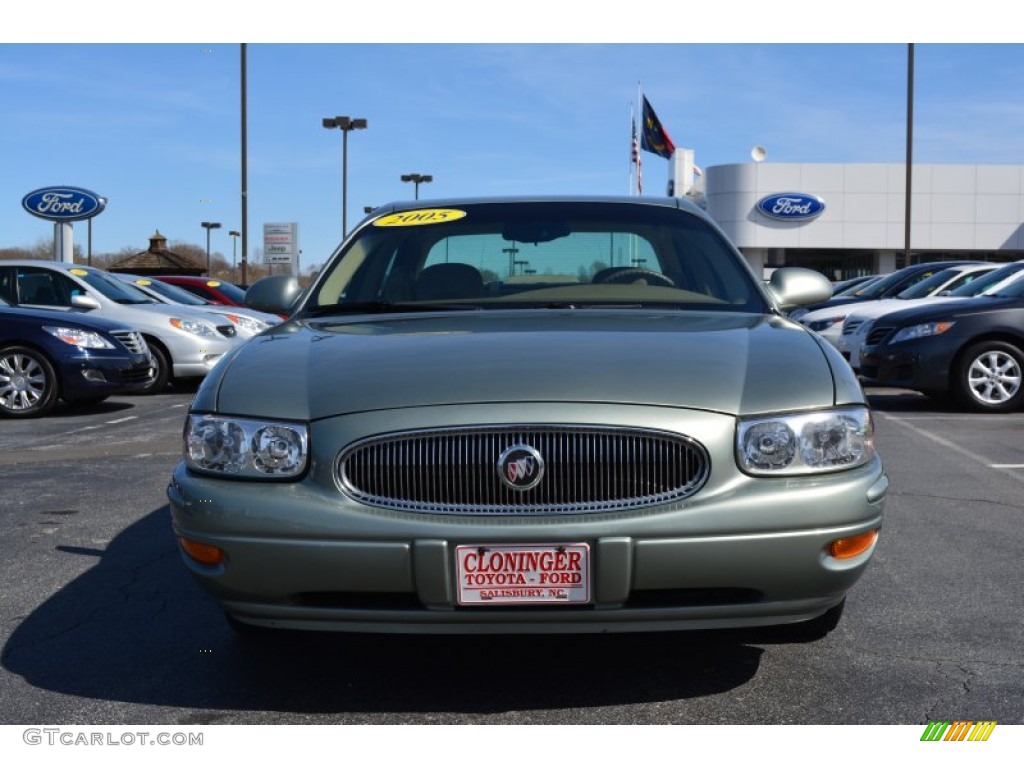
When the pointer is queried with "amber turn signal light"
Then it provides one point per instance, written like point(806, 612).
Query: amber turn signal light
point(851, 546)
point(206, 554)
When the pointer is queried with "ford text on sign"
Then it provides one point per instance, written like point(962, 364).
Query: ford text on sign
point(791, 205)
point(63, 203)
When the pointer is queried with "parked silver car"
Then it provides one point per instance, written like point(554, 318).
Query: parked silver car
point(184, 343)
point(543, 415)
point(247, 322)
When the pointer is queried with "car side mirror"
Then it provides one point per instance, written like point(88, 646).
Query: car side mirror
point(81, 301)
point(799, 287)
point(274, 294)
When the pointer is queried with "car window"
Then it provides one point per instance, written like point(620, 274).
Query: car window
point(7, 286)
point(44, 288)
point(496, 256)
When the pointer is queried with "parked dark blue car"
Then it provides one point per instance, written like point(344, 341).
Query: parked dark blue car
point(46, 356)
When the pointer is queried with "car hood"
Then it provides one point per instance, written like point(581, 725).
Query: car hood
point(950, 310)
point(874, 309)
point(729, 363)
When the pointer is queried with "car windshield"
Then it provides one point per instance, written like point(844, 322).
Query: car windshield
point(1013, 290)
point(883, 286)
point(114, 289)
point(929, 285)
point(847, 287)
point(173, 293)
point(989, 279)
point(551, 254)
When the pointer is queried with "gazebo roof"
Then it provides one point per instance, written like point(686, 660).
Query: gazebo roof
point(158, 260)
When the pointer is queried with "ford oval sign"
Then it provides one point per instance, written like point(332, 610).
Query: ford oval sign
point(63, 203)
point(791, 206)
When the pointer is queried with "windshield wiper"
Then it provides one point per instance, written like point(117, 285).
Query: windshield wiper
point(383, 307)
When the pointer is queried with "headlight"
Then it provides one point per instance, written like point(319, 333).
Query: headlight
point(245, 447)
point(920, 331)
point(78, 338)
point(806, 443)
point(195, 327)
point(822, 325)
point(250, 324)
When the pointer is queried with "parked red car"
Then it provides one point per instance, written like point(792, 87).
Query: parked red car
point(207, 288)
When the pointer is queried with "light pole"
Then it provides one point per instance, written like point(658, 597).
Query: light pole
point(511, 259)
point(346, 124)
point(88, 259)
point(208, 225)
point(417, 179)
point(234, 250)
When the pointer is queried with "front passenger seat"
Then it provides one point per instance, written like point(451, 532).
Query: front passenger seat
point(449, 281)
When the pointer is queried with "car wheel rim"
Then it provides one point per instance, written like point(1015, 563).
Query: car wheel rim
point(994, 377)
point(22, 382)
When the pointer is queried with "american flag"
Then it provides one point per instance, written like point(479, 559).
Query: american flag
point(636, 160)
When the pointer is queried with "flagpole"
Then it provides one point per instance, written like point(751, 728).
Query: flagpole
point(632, 139)
point(640, 106)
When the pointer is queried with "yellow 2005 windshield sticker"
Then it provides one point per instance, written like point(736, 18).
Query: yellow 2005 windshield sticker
point(418, 218)
point(79, 272)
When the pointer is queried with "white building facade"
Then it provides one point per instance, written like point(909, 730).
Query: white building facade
point(957, 212)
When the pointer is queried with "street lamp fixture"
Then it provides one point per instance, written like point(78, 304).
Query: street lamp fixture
point(208, 225)
point(417, 179)
point(345, 124)
point(234, 235)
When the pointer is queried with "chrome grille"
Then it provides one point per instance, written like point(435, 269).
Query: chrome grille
point(132, 340)
point(851, 324)
point(877, 335)
point(586, 469)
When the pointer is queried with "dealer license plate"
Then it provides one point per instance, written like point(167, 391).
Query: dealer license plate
point(503, 574)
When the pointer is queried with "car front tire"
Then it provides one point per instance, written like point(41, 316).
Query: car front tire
point(28, 383)
point(161, 370)
point(990, 377)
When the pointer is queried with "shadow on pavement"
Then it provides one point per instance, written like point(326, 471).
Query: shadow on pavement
point(136, 628)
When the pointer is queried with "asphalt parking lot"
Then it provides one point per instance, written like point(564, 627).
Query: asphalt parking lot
point(102, 624)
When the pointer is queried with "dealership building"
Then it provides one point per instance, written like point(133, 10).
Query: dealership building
point(849, 219)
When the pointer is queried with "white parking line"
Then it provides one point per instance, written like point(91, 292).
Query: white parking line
point(1006, 469)
point(120, 421)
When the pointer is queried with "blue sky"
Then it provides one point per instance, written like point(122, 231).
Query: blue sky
point(154, 126)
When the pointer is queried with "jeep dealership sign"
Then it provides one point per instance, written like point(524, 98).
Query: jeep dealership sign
point(63, 203)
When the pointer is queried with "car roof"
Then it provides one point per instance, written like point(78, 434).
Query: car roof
point(412, 205)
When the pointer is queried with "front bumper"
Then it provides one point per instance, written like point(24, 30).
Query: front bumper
point(744, 552)
point(93, 375)
point(922, 365)
point(194, 356)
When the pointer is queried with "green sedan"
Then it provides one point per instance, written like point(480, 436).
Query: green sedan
point(531, 415)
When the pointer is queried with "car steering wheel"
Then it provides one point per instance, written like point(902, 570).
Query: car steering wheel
point(636, 274)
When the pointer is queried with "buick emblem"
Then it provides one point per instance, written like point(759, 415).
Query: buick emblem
point(520, 467)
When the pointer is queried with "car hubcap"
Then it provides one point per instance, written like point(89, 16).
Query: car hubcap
point(22, 382)
point(994, 377)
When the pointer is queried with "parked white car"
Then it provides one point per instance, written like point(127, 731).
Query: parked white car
point(248, 322)
point(828, 322)
point(183, 342)
point(862, 317)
